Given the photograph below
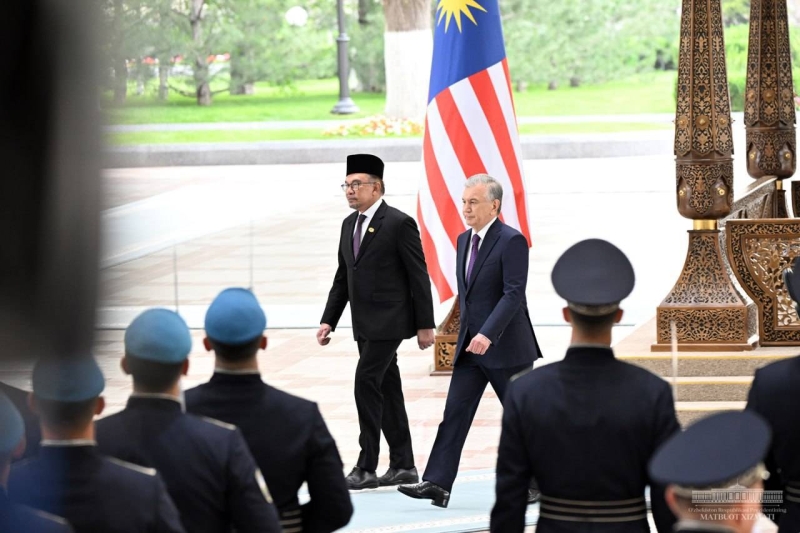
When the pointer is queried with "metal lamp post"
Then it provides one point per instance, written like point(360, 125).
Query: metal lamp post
point(345, 105)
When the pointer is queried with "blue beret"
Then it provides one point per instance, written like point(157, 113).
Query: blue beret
point(158, 335)
point(235, 317)
point(67, 380)
point(593, 272)
point(714, 450)
point(12, 428)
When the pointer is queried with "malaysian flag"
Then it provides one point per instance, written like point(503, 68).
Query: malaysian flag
point(470, 128)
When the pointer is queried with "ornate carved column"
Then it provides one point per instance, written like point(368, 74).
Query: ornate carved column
point(769, 114)
point(709, 312)
point(445, 340)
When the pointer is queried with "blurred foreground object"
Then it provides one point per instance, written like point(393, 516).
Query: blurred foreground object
point(49, 147)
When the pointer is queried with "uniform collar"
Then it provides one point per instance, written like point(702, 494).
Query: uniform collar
point(68, 443)
point(153, 399)
point(247, 372)
point(589, 352)
point(235, 378)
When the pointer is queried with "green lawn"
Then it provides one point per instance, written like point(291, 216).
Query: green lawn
point(313, 100)
point(170, 137)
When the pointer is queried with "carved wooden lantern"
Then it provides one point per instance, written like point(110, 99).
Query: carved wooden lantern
point(769, 114)
point(708, 311)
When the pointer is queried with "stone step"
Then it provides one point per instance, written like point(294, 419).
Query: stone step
point(712, 388)
point(690, 412)
point(703, 365)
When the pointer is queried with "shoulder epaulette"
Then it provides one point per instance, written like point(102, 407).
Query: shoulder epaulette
point(219, 423)
point(47, 516)
point(520, 374)
point(131, 466)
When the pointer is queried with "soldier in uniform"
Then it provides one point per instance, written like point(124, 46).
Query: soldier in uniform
point(775, 395)
point(15, 517)
point(713, 473)
point(585, 427)
point(33, 434)
point(287, 434)
point(205, 463)
point(69, 477)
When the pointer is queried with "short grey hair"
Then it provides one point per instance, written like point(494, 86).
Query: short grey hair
point(493, 187)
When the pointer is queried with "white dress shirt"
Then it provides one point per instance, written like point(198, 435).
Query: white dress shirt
point(370, 214)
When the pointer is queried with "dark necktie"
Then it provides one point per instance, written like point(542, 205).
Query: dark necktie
point(357, 235)
point(476, 239)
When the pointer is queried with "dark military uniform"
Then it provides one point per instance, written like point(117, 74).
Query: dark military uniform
point(19, 518)
point(205, 464)
point(585, 428)
point(290, 442)
point(94, 493)
point(775, 395)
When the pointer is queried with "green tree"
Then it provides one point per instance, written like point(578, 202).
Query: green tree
point(585, 41)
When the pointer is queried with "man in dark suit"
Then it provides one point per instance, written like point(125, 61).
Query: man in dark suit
point(495, 339)
point(382, 273)
point(286, 434)
point(205, 463)
point(713, 473)
point(69, 477)
point(15, 517)
point(585, 427)
point(775, 395)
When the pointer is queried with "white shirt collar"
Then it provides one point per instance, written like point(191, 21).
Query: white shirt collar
point(68, 442)
point(484, 230)
point(248, 371)
point(156, 395)
point(373, 208)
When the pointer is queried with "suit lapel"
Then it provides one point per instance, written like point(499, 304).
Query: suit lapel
point(347, 240)
point(461, 260)
point(483, 252)
point(373, 225)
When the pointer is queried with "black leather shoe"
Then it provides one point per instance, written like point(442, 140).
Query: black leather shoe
point(534, 496)
point(427, 491)
point(399, 476)
point(358, 479)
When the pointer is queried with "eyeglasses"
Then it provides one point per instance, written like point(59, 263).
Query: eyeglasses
point(354, 185)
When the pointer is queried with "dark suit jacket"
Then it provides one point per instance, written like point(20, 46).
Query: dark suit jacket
point(585, 429)
point(94, 493)
point(290, 442)
point(493, 303)
point(775, 395)
point(14, 518)
point(387, 285)
point(206, 465)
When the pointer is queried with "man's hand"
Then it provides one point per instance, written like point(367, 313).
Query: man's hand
point(425, 338)
point(322, 334)
point(479, 344)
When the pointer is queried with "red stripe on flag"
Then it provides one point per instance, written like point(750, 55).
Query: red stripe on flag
point(448, 214)
point(463, 146)
point(432, 259)
point(487, 97)
point(508, 82)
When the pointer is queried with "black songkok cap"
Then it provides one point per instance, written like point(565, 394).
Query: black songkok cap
point(365, 164)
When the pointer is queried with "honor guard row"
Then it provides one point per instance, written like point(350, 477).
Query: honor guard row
point(162, 466)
